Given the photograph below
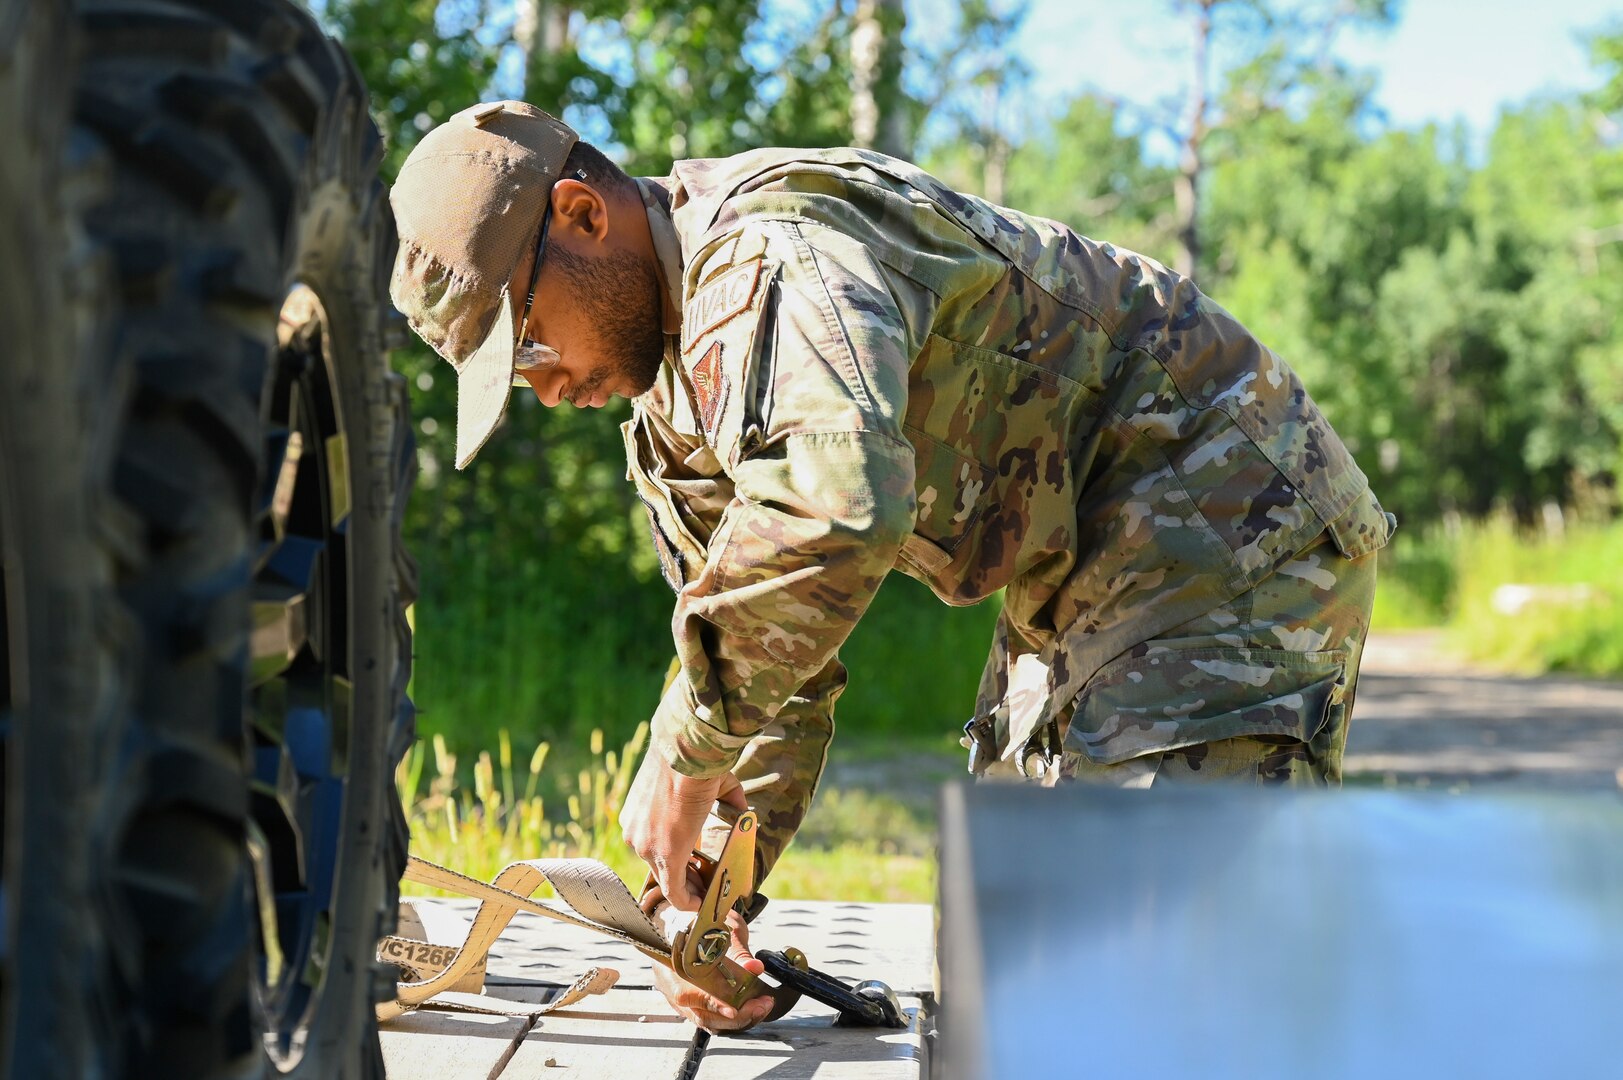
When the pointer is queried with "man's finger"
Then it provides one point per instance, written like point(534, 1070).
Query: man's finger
point(732, 793)
point(746, 960)
point(739, 950)
point(751, 1014)
point(705, 1010)
point(673, 882)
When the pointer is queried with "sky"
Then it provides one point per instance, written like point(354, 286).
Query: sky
point(1445, 59)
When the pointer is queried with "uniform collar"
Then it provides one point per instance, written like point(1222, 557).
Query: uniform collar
point(656, 197)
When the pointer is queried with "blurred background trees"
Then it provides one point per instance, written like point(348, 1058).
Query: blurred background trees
point(1452, 304)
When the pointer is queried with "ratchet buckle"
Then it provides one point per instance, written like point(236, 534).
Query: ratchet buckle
point(699, 952)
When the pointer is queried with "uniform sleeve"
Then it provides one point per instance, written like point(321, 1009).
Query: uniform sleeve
point(796, 353)
point(781, 766)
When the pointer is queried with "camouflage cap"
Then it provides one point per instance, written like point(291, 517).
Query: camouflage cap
point(468, 205)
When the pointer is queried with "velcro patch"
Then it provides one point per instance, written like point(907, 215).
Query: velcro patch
point(720, 300)
point(710, 388)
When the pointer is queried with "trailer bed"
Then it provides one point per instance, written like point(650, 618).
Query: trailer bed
point(631, 1032)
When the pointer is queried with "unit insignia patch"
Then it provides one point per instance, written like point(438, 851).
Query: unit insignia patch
point(710, 387)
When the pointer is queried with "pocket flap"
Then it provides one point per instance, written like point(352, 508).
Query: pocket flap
point(680, 553)
point(1363, 527)
point(1164, 700)
point(951, 489)
point(919, 552)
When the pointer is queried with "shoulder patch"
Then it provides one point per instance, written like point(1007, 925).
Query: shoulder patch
point(710, 386)
point(720, 300)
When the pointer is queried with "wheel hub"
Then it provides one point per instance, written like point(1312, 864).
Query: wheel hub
point(300, 690)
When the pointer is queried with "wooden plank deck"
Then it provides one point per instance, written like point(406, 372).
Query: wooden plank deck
point(631, 1032)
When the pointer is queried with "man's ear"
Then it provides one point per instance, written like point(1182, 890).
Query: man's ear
point(579, 211)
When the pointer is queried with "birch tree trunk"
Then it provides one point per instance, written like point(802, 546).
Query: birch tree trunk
point(541, 29)
point(877, 118)
point(995, 165)
point(1186, 184)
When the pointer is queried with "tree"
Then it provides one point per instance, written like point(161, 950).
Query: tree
point(1275, 53)
point(1452, 320)
point(1606, 54)
point(523, 555)
point(541, 30)
point(976, 86)
point(878, 112)
point(422, 61)
point(1083, 169)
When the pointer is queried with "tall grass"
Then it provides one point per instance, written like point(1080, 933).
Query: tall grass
point(479, 827)
point(1519, 600)
point(551, 658)
point(1415, 581)
point(553, 669)
point(1568, 619)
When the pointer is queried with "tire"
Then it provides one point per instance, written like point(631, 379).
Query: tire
point(263, 458)
point(58, 633)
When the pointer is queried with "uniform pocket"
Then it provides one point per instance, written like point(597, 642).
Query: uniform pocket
point(679, 550)
point(1164, 700)
point(952, 492)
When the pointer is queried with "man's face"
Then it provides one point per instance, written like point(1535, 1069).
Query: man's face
point(601, 313)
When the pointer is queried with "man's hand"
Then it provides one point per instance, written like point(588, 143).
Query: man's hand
point(709, 1012)
point(663, 817)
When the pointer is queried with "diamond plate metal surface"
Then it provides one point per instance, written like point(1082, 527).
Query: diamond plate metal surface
point(890, 942)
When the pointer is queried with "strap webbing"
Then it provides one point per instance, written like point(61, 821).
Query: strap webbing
point(598, 901)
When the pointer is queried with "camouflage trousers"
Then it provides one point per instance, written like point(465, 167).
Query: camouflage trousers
point(1239, 721)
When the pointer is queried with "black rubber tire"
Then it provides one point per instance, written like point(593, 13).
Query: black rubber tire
point(244, 163)
point(58, 647)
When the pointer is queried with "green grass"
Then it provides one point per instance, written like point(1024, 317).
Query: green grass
point(1571, 619)
point(547, 656)
point(551, 657)
point(523, 687)
point(857, 847)
point(1414, 583)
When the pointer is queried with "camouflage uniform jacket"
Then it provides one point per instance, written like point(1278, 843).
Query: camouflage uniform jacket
point(875, 372)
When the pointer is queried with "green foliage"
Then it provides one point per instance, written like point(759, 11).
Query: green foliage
point(974, 82)
point(1455, 322)
point(1564, 608)
point(1606, 53)
point(1509, 597)
point(914, 663)
point(1453, 306)
point(1089, 173)
point(1456, 319)
point(516, 648)
point(865, 848)
point(535, 648)
point(1415, 582)
point(422, 61)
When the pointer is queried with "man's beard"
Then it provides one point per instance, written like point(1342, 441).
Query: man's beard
point(619, 293)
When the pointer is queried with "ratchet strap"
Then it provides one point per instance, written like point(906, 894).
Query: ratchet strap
point(444, 957)
point(452, 973)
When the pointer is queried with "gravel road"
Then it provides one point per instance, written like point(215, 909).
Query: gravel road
point(1423, 719)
